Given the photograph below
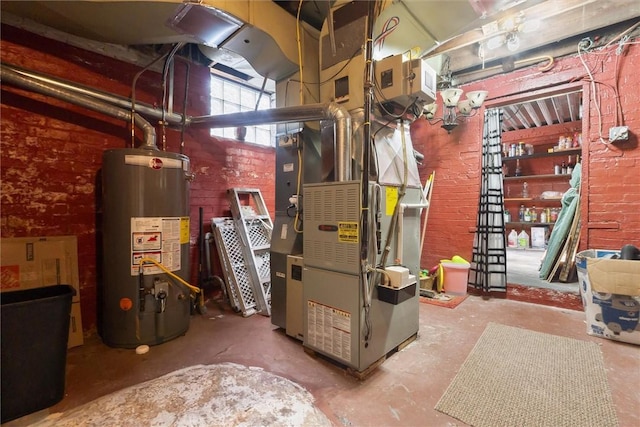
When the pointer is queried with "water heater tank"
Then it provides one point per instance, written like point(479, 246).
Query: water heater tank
point(145, 233)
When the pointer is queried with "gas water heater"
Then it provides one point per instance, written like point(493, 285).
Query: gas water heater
point(145, 229)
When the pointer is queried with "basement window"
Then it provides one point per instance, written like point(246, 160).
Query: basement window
point(229, 96)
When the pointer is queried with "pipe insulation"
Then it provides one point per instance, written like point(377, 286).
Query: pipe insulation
point(17, 79)
point(116, 100)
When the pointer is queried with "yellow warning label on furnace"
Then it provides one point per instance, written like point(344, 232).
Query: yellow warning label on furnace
point(348, 232)
point(184, 230)
point(392, 200)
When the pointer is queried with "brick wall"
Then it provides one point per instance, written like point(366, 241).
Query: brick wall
point(52, 151)
point(610, 206)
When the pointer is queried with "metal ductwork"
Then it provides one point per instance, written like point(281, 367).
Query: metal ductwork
point(302, 113)
point(52, 90)
point(116, 100)
point(104, 103)
point(245, 28)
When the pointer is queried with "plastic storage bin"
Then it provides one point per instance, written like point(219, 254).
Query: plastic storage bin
point(35, 330)
point(455, 275)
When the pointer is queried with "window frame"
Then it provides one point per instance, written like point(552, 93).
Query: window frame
point(224, 101)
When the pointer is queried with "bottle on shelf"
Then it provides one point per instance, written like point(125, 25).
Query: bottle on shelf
point(527, 215)
point(556, 169)
point(534, 214)
point(521, 214)
point(512, 239)
point(570, 166)
point(518, 168)
point(543, 216)
point(577, 140)
point(525, 190)
point(563, 168)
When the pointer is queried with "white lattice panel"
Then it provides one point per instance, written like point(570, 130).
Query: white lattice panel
point(235, 265)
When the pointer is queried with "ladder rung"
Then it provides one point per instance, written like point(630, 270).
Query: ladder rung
point(255, 217)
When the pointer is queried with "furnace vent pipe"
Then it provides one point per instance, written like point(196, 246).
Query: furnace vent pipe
point(119, 101)
point(44, 88)
point(299, 113)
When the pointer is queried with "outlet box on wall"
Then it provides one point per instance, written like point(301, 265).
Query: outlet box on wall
point(619, 133)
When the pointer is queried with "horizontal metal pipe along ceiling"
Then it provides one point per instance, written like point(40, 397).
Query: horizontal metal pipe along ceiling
point(103, 103)
point(301, 113)
point(17, 79)
point(142, 108)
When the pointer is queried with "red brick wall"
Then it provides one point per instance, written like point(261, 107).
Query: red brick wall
point(610, 205)
point(52, 151)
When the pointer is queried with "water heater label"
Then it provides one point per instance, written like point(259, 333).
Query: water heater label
point(153, 162)
point(184, 230)
point(329, 329)
point(159, 239)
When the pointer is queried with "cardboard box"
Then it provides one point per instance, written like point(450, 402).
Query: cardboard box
point(33, 262)
point(610, 290)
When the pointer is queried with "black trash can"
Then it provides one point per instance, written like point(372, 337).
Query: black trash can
point(35, 332)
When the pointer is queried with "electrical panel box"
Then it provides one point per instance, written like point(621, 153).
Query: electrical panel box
point(403, 82)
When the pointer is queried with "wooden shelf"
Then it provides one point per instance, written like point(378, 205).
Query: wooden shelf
point(529, 177)
point(532, 199)
point(533, 224)
point(538, 155)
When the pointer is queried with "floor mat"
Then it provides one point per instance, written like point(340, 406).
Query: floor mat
point(449, 303)
point(215, 395)
point(517, 377)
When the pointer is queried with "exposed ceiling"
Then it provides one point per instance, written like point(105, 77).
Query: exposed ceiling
point(472, 39)
point(463, 39)
point(546, 111)
point(468, 39)
point(469, 34)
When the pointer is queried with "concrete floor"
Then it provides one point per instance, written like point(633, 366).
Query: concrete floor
point(401, 392)
point(523, 268)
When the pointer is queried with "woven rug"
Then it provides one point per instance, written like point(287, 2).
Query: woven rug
point(215, 395)
point(517, 377)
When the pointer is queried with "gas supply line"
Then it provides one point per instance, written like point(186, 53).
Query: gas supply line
point(193, 289)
